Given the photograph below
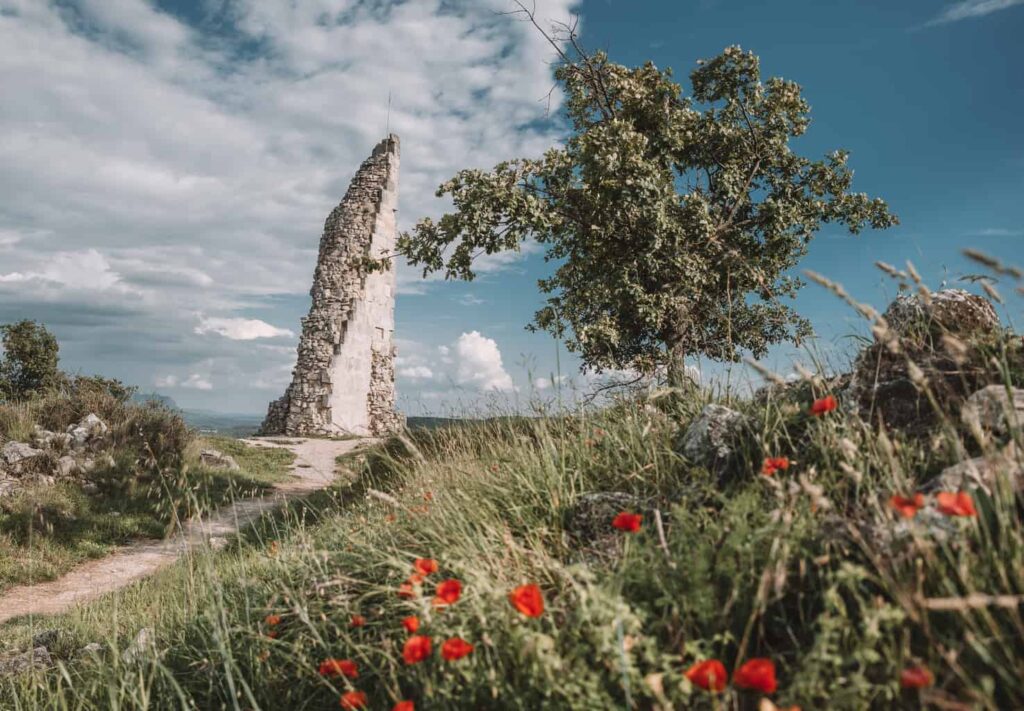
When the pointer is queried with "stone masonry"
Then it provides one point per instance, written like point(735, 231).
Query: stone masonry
point(344, 379)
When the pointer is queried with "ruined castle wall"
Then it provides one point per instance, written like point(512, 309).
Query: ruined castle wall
point(343, 382)
point(371, 327)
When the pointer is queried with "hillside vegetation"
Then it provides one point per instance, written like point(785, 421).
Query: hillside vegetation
point(792, 552)
point(134, 473)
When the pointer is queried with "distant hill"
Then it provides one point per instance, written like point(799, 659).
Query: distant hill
point(143, 398)
point(227, 424)
point(206, 421)
point(244, 425)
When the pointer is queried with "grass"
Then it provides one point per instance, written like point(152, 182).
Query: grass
point(810, 568)
point(152, 479)
point(781, 568)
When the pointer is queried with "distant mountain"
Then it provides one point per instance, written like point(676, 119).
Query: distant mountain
point(143, 398)
point(222, 423)
point(432, 423)
point(228, 424)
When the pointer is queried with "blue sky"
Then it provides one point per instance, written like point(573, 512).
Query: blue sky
point(168, 167)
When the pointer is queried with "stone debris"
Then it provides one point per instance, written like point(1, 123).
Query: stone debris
point(712, 438)
point(51, 456)
point(14, 454)
point(994, 409)
point(143, 644)
point(38, 658)
point(983, 472)
point(218, 460)
point(66, 466)
point(47, 638)
point(93, 649)
point(344, 378)
point(89, 429)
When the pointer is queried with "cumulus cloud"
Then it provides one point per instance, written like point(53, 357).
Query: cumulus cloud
point(416, 372)
point(206, 192)
point(478, 363)
point(86, 270)
point(542, 384)
point(194, 381)
point(971, 8)
point(241, 329)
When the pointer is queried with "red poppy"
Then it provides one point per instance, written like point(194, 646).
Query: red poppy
point(272, 634)
point(406, 590)
point(916, 678)
point(404, 706)
point(528, 600)
point(708, 675)
point(455, 648)
point(416, 649)
point(272, 620)
point(425, 566)
point(358, 621)
point(339, 667)
point(757, 675)
point(822, 405)
point(448, 592)
point(353, 700)
point(955, 503)
point(774, 464)
point(628, 522)
point(411, 624)
point(906, 506)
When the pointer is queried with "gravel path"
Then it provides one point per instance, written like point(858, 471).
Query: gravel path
point(313, 469)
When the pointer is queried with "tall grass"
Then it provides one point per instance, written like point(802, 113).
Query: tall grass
point(146, 481)
point(810, 568)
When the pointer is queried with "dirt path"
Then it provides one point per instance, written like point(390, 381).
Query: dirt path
point(314, 468)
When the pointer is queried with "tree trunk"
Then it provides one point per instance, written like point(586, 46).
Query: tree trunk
point(676, 342)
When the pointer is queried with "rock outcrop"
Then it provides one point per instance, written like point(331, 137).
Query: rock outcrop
point(343, 381)
point(943, 340)
point(995, 409)
point(52, 456)
point(215, 459)
point(714, 437)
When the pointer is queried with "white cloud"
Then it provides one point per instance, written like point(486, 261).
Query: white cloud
point(195, 381)
point(418, 372)
point(86, 270)
point(207, 190)
point(998, 231)
point(546, 383)
point(166, 381)
point(240, 329)
point(971, 8)
point(478, 363)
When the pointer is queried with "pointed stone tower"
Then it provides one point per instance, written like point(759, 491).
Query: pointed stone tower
point(344, 379)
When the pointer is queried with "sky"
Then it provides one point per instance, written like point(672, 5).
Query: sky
point(166, 167)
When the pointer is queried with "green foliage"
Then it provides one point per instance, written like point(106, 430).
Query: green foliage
point(151, 482)
point(672, 218)
point(803, 568)
point(29, 364)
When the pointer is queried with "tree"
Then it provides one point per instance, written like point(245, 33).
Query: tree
point(29, 364)
point(672, 219)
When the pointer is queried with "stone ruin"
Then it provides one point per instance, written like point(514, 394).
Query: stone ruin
point(344, 379)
